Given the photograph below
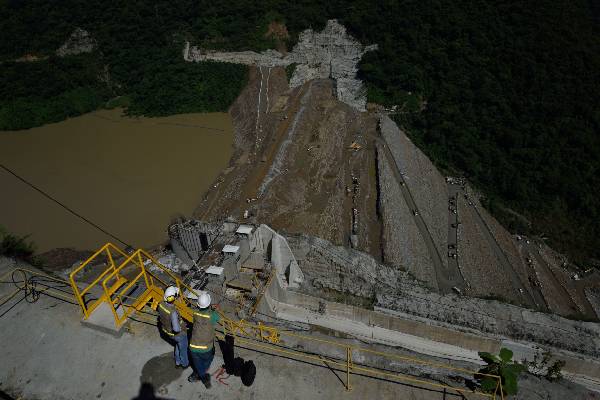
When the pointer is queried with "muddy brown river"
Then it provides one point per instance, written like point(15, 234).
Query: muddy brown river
point(128, 175)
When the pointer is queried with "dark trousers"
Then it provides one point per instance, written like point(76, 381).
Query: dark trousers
point(201, 361)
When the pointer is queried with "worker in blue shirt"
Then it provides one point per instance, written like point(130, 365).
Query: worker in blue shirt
point(174, 326)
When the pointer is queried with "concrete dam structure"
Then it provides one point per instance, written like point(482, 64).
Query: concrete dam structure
point(318, 284)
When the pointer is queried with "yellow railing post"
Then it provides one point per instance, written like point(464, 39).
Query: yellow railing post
point(78, 296)
point(111, 260)
point(110, 302)
point(143, 268)
point(348, 366)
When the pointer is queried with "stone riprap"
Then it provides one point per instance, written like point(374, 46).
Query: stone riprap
point(593, 296)
point(397, 293)
point(403, 245)
point(331, 53)
point(427, 186)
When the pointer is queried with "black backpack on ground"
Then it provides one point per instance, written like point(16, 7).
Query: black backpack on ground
point(248, 373)
point(236, 366)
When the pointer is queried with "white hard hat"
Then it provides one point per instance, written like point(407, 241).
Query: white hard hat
point(203, 300)
point(171, 291)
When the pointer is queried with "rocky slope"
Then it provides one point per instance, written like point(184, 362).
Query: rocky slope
point(79, 42)
point(331, 53)
point(395, 292)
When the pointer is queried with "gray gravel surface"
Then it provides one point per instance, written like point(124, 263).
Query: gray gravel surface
point(426, 184)
point(403, 244)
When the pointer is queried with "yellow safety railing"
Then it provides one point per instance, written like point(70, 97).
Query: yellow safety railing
point(258, 336)
point(244, 328)
point(250, 334)
point(116, 299)
point(110, 251)
point(155, 287)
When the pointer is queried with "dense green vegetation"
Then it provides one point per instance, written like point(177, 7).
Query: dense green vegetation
point(35, 93)
point(505, 92)
point(15, 246)
point(207, 87)
point(512, 91)
point(289, 71)
point(137, 63)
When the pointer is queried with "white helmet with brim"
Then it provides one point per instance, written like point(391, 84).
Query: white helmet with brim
point(204, 300)
point(171, 293)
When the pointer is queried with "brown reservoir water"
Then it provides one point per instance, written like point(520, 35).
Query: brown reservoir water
point(130, 176)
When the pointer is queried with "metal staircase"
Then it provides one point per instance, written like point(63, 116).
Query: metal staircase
point(123, 287)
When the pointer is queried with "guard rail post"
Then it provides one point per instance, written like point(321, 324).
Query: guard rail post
point(348, 366)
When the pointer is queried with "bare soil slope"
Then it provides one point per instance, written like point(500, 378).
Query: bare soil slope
point(293, 167)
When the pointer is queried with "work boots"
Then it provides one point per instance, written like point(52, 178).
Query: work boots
point(206, 381)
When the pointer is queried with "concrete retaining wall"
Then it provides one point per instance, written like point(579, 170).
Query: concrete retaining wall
point(376, 319)
point(426, 322)
point(288, 273)
point(575, 364)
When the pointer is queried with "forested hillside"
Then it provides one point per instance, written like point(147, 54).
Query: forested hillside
point(138, 57)
point(505, 92)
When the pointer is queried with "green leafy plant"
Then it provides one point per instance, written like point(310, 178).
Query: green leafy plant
point(503, 366)
point(15, 246)
point(289, 71)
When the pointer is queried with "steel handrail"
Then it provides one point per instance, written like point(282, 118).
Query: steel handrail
point(116, 270)
point(136, 259)
point(138, 252)
point(79, 294)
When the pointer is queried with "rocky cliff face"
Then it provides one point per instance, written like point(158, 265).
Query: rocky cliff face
point(331, 53)
point(79, 42)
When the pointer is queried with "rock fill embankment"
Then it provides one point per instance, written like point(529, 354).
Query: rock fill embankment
point(402, 244)
point(331, 53)
point(427, 186)
point(397, 293)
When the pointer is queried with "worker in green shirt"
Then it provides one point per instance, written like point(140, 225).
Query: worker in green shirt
point(202, 343)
